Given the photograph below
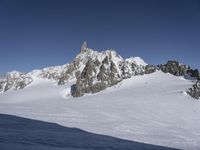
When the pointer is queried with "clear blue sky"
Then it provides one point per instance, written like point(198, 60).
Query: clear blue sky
point(40, 33)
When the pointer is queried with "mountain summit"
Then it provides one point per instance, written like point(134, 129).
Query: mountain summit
point(102, 93)
point(84, 46)
point(95, 71)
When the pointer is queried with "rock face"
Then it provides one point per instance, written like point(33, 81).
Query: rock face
point(130, 69)
point(95, 77)
point(84, 46)
point(14, 80)
point(98, 74)
point(195, 90)
point(108, 73)
point(150, 69)
point(95, 71)
point(174, 68)
point(105, 69)
point(194, 73)
point(77, 89)
point(102, 70)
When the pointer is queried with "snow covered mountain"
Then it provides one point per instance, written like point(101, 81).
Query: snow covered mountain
point(95, 71)
point(121, 98)
point(152, 109)
point(62, 74)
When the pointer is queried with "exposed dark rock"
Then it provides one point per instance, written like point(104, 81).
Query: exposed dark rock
point(126, 72)
point(114, 75)
point(108, 75)
point(73, 90)
point(183, 70)
point(14, 80)
point(171, 67)
point(71, 68)
point(89, 70)
point(131, 69)
point(106, 60)
point(1, 86)
point(102, 75)
point(108, 72)
point(194, 73)
point(77, 89)
point(78, 75)
point(84, 46)
point(84, 80)
point(150, 69)
point(195, 90)
point(22, 83)
point(61, 80)
point(97, 62)
point(98, 87)
point(174, 68)
point(7, 87)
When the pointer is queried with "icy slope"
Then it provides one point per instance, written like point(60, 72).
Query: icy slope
point(149, 109)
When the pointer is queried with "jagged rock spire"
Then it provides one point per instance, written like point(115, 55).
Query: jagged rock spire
point(84, 46)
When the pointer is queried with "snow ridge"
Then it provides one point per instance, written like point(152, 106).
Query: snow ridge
point(64, 73)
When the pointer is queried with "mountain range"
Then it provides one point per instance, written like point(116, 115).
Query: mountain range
point(95, 71)
point(101, 101)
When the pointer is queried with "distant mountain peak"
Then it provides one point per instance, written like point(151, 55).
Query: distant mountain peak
point(94, 71)
point(83, 46)
point(137, 60)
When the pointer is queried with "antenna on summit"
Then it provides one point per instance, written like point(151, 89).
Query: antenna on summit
point(84, 46)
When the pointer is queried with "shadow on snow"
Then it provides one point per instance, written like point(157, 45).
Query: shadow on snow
point(22, 133)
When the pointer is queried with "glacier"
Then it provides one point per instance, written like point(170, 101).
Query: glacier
point(152, 108)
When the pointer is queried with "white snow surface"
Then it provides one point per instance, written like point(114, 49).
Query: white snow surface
point(136, 60)
point(150, 109)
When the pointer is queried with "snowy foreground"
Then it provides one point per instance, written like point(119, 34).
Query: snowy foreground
point(151, 109)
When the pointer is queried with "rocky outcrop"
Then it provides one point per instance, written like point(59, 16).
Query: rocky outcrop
point(174, 68)
point(89, 71)
point(99, 86)
point(78, 89)
point(195, 90)
point(84, 80)
point(95, 77)
point(107, 68)
point(84, 46)
point(108, 72)
point(63, 78)
point(150, 69)
point(194, 73)
point(177, 69)
point(14, 80)
point(95, 71)
point(130, 68)
point(57, 73)
point(183, 70)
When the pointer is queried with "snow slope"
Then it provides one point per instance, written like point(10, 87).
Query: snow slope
point(29, 134)
point(149, 109)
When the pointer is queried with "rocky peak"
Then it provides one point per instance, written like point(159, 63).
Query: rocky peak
point(89, 70)
point(103, 69)
point(14, 80)
point(178, 69)
point(95, 71)
point(84, 46)
point(195, 90)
